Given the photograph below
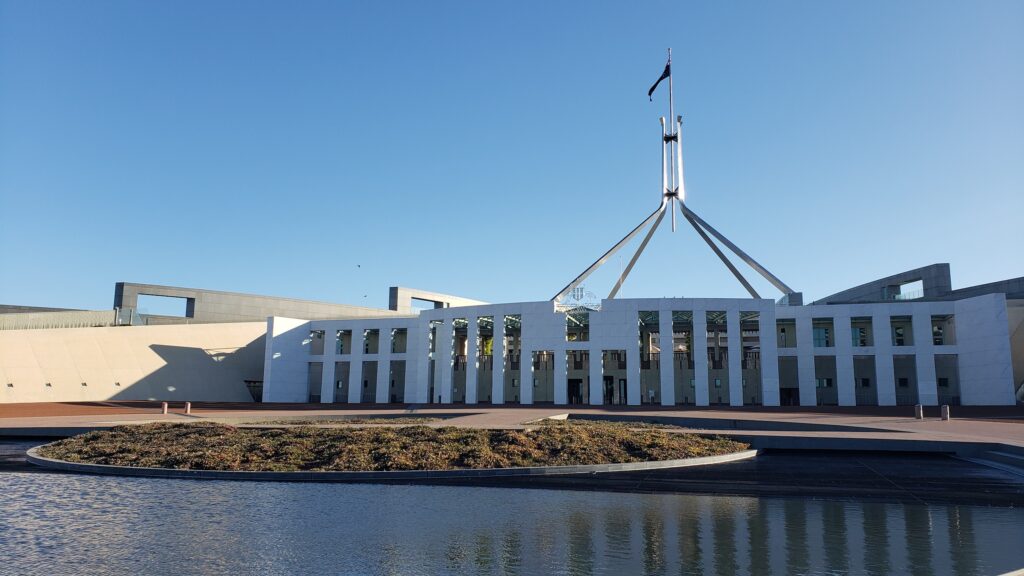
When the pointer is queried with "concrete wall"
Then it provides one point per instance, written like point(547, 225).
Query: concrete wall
point(216, 306)
point(184, 362)
point(982, 349)
point(400, 299)
point(935, 280)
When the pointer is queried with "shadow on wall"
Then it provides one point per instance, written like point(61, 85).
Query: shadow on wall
point(198, 374)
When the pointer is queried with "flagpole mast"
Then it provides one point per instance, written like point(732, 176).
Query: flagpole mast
point(672, 142)
point(671, 116)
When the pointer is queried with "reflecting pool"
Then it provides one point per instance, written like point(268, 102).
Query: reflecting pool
point(70, 524)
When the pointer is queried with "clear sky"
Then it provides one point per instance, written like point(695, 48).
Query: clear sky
point(328, 150)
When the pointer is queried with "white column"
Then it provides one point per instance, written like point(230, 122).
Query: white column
point(735, 347)
point(633, 364)
point(769, 360)
point(525, 374)
point(881, 332)
point(666, 364)
point(443, 361)
point(924, 357)
point(844, 361)
point(561, 384)
point(472, 334)
point(383, 395)
point(700, 356)
point(498, 361)
point(596, 377)
point(805, 362)
point(327, 381)
point(418, 361)
point(355, 368)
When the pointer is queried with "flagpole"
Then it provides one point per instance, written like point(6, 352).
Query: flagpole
point(671, 118)
point(672, 143)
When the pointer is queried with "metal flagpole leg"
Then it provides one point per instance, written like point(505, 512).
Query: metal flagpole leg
point(721, 256)
point(665, 191)
point(736, 250)
point(681, 188)
point(561, 294)
point(636, 256)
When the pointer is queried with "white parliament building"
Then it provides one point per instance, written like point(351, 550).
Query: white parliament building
point(663, 351)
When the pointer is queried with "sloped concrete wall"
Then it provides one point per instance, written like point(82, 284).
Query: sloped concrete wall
point(197, 362)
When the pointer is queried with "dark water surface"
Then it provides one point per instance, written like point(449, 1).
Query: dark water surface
point(56, 524)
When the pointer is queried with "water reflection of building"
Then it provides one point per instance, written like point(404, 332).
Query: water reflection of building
point(699, 535)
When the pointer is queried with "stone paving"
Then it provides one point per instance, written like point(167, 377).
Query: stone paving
point(977, 424)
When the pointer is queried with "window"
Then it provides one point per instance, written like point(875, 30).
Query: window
point(822, 330)
point(860, 331)
point(343, 342)
point(316, 342)
point(577, 325)
point(399, 337)
point(865, 382)
point(943, 382)
point(902, 331)
point(824, 382)
point(903, 382)
point(943, 330)
point(371, 341)
point(786, 330)
point(718, 382)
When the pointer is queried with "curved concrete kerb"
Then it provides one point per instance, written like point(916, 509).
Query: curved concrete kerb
point(400, 475)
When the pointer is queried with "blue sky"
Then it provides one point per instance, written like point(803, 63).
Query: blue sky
point(328, 150)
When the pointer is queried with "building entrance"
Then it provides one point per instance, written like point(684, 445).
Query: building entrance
point(576, 391)
point(789, 396)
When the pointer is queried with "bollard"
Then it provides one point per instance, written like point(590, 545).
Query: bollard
point(919, 411)
point(164, 408)
point(188, 407)
point(945, 411)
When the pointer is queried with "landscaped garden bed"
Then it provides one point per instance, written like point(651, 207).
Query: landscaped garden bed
point(220, 447)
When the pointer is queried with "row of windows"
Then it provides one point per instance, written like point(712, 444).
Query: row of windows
point(901, 331)
point(398, 339)
point(578, 330)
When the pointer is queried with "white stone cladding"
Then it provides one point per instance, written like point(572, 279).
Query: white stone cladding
point(981, 348)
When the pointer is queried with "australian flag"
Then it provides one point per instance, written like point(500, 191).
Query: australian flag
point(665, 74)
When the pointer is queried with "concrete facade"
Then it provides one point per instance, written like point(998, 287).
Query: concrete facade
point(210, 362)
point(211, 306)
point(928, 352)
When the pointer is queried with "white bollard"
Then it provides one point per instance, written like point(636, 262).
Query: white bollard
point(188, 407)
point(919, 411)
point(945, 411)
point(164, 408)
